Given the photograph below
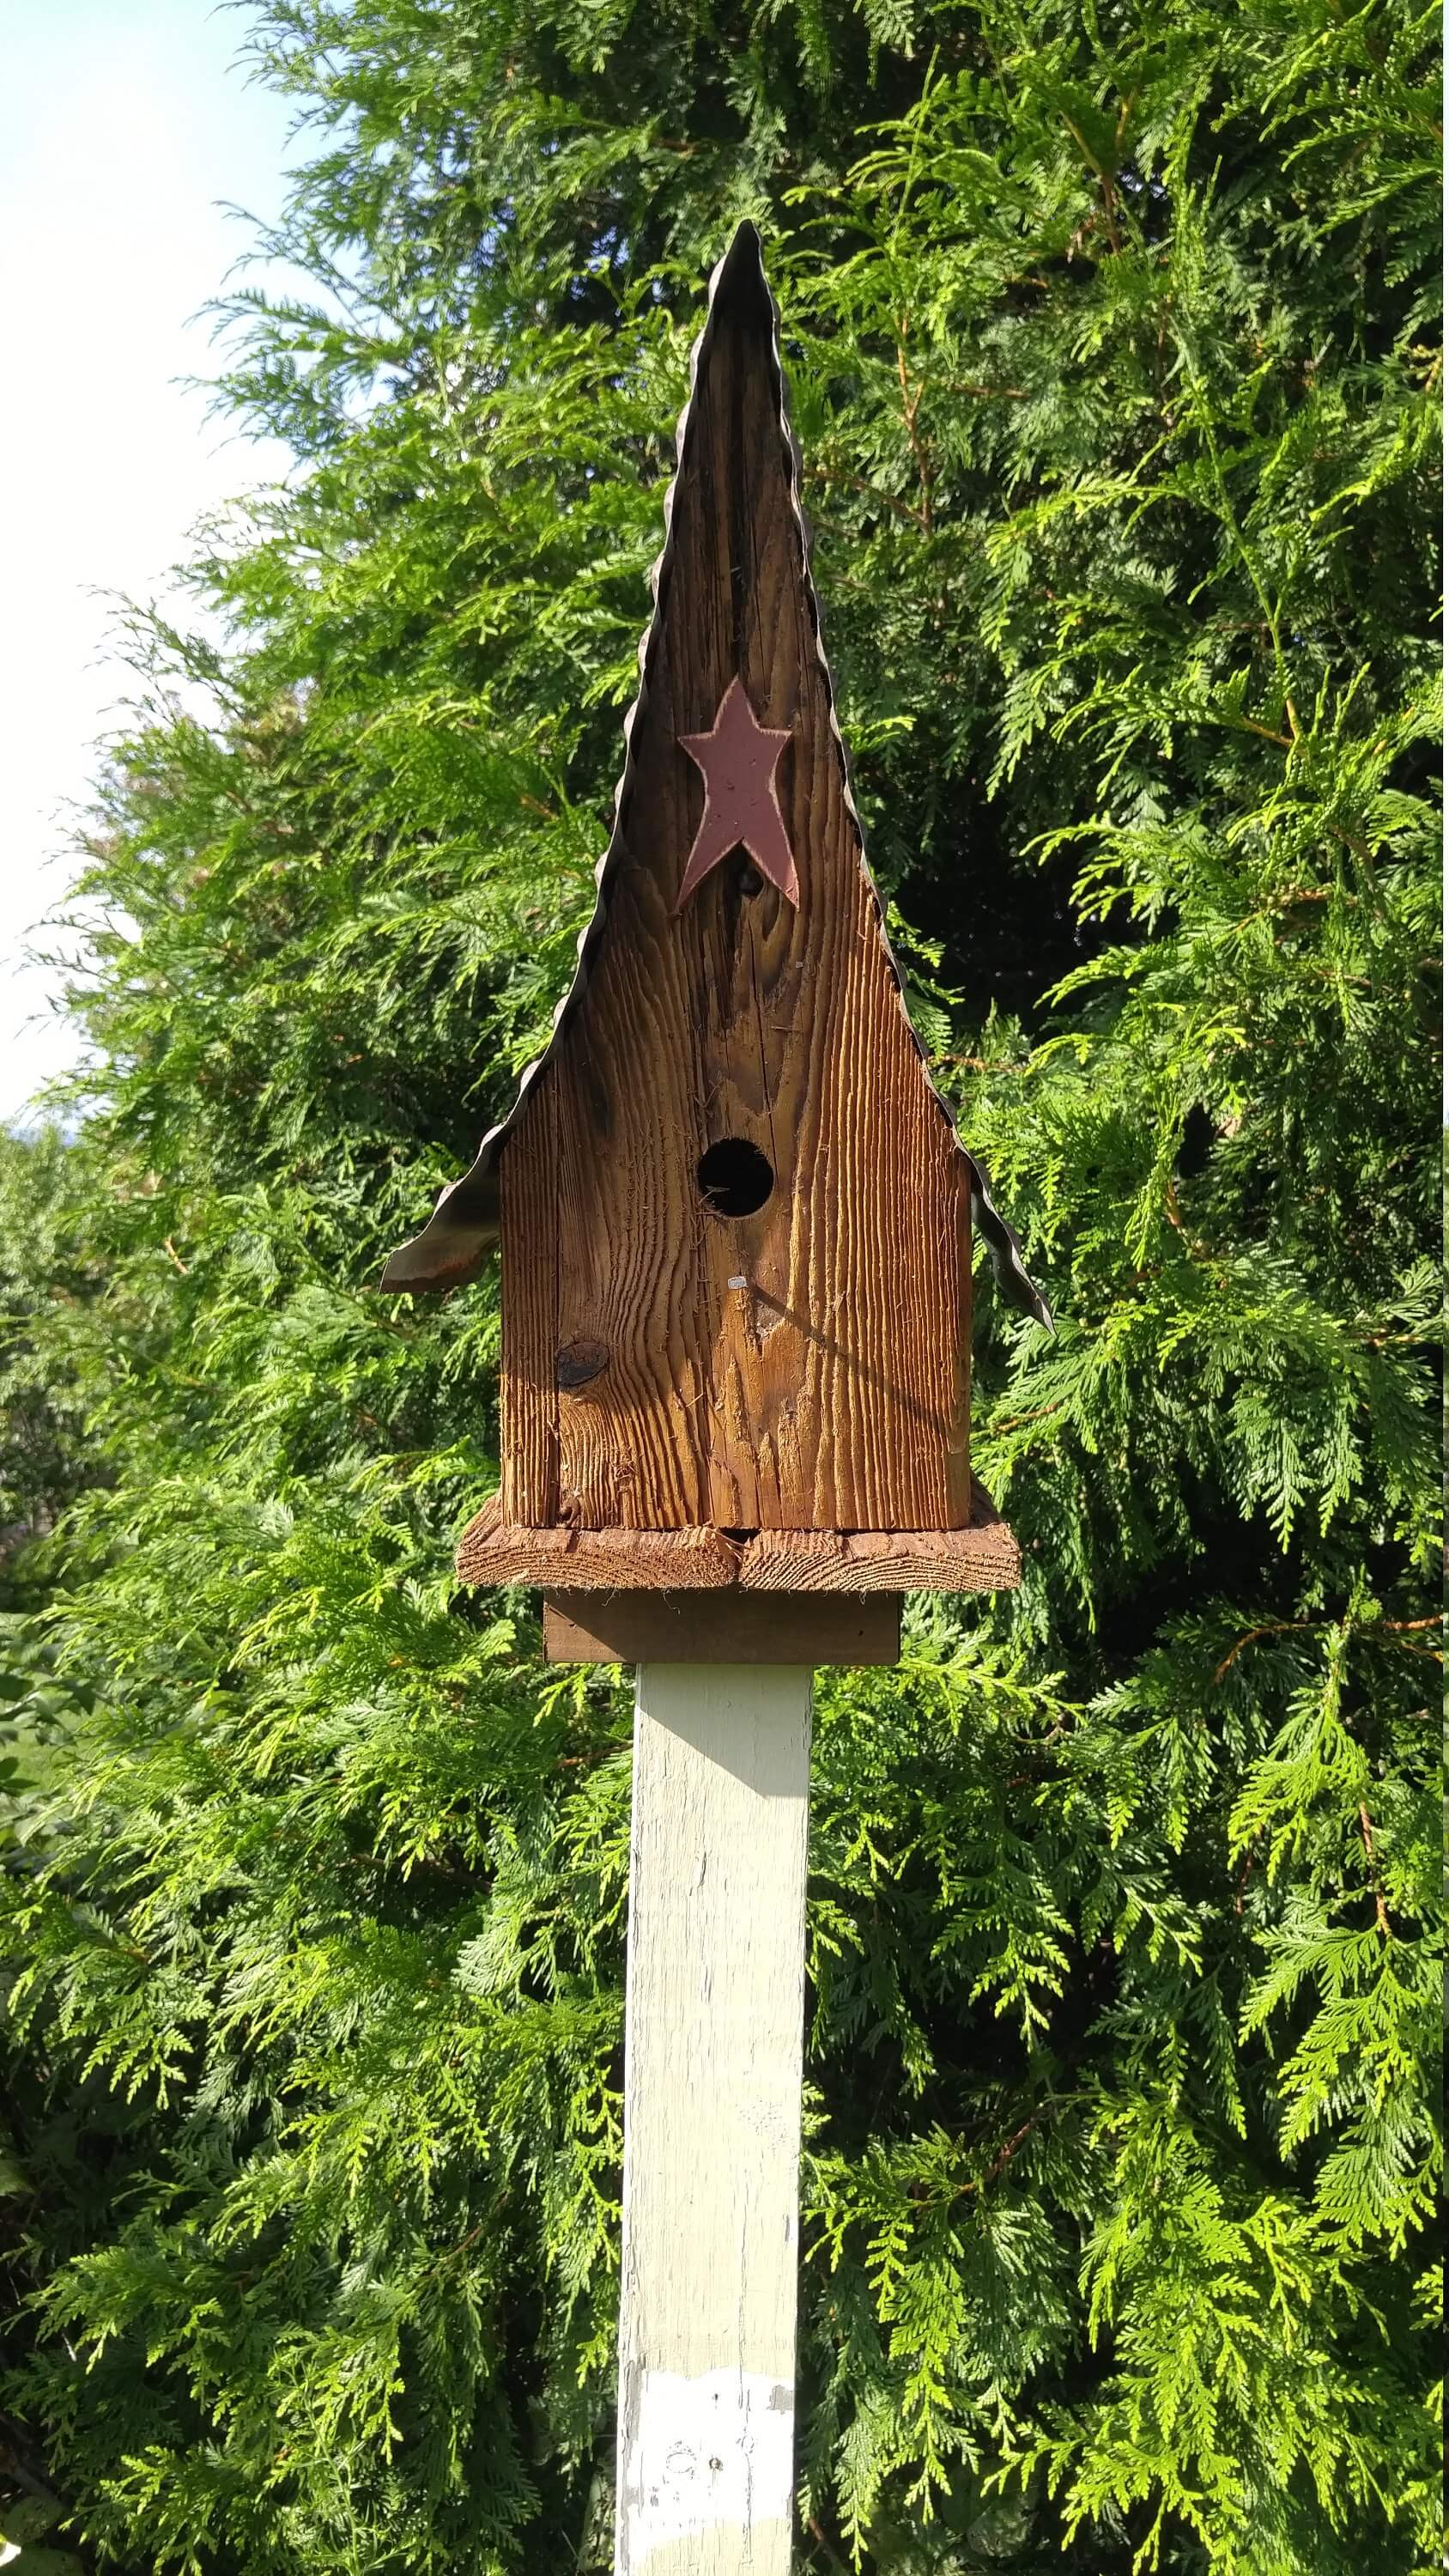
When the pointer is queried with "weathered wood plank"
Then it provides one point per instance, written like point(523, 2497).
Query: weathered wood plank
point(714, 2028)
point(527, 1386)
point(721, 1627)
point(492, 1550)
point(984, 1557)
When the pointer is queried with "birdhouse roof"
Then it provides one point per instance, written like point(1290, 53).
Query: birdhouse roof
point(465, 1223)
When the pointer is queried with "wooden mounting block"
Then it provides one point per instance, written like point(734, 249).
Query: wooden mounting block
point(721, 1628)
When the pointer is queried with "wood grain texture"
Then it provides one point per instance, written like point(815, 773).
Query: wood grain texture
point(721, 1628)
point(981, 1558)
point(804, 1367)
point(527, 1391)
point(714, 2026)
point(492, 1550)
point(984, 1558)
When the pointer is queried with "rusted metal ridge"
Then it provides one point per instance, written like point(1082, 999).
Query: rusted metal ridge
point(464, 1224)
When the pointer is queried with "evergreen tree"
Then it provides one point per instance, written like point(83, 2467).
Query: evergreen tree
point(1113, 349)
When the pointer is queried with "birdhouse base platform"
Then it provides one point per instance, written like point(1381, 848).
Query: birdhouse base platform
point(981, 1557)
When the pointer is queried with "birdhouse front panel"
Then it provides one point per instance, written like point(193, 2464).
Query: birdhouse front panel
point(736, 1219)
point(735, 1222)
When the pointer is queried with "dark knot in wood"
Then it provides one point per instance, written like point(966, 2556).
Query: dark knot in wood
point(581, 1360)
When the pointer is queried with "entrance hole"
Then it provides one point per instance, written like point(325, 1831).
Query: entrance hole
point(734, 1177)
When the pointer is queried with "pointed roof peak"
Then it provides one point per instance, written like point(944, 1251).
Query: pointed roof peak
point(738, 279)
point(745, 238)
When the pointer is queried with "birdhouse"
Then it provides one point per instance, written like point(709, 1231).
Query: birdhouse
point(735, 1219)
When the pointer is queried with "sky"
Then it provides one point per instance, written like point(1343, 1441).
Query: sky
point(129, 126)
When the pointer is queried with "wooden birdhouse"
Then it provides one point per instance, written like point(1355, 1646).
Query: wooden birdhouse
point(735, 1218)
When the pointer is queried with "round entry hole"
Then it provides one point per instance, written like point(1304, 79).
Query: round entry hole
point(734, 1177)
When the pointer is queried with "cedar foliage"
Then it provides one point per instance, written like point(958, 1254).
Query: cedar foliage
point(1113, 350)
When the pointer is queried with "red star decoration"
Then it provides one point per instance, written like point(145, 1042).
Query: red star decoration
point(737, 762)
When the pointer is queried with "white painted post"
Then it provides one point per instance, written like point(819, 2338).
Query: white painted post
point(713, 2039)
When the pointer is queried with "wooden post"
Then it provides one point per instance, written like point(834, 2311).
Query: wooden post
point(714, 2034)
